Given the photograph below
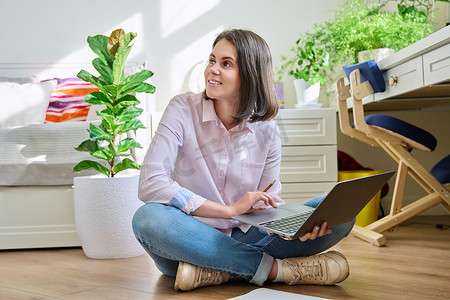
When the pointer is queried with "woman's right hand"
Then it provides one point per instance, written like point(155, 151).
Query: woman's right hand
point(247, 203)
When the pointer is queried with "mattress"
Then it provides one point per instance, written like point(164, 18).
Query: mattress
point(42, 154)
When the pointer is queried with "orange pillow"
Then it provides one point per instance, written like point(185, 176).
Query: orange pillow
point(67, 100)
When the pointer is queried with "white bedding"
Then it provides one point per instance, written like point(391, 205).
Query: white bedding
point(42, 154)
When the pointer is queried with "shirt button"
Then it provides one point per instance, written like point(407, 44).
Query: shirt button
point(222, 173)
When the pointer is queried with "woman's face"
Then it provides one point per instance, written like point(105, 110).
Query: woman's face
point(222, 79)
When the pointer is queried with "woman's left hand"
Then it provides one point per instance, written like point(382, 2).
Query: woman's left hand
point(317, 231)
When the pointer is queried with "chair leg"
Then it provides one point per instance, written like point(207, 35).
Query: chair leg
point(399, 191)
point(374, 238)
point(446, 205)
point(406, 213)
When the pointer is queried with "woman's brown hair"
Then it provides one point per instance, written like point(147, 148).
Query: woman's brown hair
point(258, 100)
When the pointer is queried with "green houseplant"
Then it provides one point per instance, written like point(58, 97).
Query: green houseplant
point(307, 64)
point(120, 114)
point(105, 205)
point(306, 61)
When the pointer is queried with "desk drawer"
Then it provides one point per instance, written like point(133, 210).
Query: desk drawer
point(299, 192)
point(436, 65)
point(407, 77)
point(307, 127)
point(308, 164)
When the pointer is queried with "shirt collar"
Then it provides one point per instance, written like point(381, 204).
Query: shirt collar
point(209, 114)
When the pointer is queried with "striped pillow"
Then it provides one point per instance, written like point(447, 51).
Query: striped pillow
point(67, 100)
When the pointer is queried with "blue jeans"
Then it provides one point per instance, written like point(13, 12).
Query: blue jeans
point(169, 236)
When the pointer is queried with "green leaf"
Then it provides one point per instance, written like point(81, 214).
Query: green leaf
point(103, 153)
point(132, 125)
point(139, 77)
point(96, 98)
point(127, 100)
point(98, 134)
point(144, 88)
point(104, 69)
point(99, 44)
point(112, 90)
point(108, 121)
point(89, 164)
point(114, 41)
point(127, 144)
point(88, 77)
point(126, 164)
point(119, 63)
point(135, 83)
point(128, 38)
point(88, 146)
point(129, 113)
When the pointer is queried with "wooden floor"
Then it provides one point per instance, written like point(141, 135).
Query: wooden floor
point(415, 264)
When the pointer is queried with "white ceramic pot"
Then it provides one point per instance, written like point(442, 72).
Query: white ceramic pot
point(104, 208)
point(375, 54)
point(306, 94)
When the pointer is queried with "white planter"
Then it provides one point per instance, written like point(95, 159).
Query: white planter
point(375, 54)
point(306, 94)
point(104, 208)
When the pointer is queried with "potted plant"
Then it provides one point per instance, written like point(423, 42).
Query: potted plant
point(105, 203)
point(307, 64)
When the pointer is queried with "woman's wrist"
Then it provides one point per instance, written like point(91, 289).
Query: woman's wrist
point(211, 209)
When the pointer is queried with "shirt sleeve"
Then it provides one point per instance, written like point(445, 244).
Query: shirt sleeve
point(156, 183)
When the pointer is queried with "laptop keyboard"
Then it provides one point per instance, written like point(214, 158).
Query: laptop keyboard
point(288, 224)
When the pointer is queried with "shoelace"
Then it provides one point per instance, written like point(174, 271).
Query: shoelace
point(305, 271)
point(208, 276)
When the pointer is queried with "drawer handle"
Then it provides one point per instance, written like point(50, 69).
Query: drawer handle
point(393, 81)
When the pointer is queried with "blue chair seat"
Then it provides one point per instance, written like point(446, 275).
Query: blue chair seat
point(441, 170)
point(404, 129)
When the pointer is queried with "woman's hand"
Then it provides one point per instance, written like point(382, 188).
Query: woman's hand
point(247, 202)
point(211, 209)
point(318, 231)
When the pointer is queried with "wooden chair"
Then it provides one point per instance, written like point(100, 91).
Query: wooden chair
point(397, 138)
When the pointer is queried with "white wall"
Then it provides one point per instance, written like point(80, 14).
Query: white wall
point(174, 35)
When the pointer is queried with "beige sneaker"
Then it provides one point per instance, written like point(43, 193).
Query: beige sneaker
point(324, 269)
point(190, 277)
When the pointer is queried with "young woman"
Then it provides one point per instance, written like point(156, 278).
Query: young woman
point(212, 156)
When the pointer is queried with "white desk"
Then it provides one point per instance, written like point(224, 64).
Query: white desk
point(417, 76)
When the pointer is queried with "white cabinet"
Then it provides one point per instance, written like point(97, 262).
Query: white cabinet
point(309, 152)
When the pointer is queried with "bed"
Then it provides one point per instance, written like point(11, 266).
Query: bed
point(37, 157)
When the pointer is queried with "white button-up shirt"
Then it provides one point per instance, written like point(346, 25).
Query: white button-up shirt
point(193, 157)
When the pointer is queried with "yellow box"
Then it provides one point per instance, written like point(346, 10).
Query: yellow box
point(369, 213)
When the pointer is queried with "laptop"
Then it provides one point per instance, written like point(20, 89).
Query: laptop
point(341, 205)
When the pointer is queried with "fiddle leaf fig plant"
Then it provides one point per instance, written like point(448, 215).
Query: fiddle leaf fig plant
point(116, 94)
